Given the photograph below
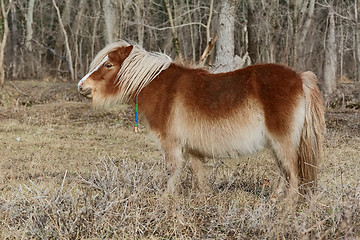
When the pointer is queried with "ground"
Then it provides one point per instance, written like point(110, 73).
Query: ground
point(71, 171)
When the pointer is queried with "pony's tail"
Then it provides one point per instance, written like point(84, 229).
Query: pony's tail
point(310, 148)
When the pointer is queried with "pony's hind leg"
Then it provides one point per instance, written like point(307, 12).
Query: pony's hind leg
point(199, 173)
point(287, 161)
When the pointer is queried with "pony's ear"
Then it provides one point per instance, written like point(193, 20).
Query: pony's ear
point(124, 52)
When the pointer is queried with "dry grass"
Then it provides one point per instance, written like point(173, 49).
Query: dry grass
point(71, 172)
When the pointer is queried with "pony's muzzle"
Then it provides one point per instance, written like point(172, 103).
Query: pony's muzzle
point(86, 92)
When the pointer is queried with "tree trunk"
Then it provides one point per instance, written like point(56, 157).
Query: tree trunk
point(139, 9)
point(66, 13)
point(97, 12)
point(357, 39)
point(341, 48)
point(125, 9)
point(4, 14)
point(76, 30)
point(295, 34)
point(173, 30)
point(329, 81)
point(307, 23)
point(67, 46)
point(14, 42)
point(29, 22)
point(225, 45)
point(301, 44)
point(110, 20)
point(193, 48)
point(252, 29)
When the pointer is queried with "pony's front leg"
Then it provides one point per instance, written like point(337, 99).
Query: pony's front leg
point(174, 162)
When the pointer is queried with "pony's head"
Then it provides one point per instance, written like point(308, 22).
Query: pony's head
point(119, 71)
point(100, 83)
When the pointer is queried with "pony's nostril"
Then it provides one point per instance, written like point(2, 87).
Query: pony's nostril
point(80, 85)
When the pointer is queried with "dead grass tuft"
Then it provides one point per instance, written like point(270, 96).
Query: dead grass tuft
point(123, 199)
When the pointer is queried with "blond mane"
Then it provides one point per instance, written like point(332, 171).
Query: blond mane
point(105, 51)
point(138, 70)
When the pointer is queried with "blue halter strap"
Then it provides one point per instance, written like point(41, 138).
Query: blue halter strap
point(137, 113)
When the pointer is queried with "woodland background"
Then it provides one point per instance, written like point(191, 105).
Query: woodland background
point(71, 171)
point(59, 38)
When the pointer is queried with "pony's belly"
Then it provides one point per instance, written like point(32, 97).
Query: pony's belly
point(233, 140)
point(241, 131)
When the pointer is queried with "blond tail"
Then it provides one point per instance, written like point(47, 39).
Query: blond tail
point(310, 149)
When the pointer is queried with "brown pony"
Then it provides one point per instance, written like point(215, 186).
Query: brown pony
point(195, 114)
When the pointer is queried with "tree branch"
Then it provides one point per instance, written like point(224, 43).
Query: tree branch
point(66, 40)
point(173, 30)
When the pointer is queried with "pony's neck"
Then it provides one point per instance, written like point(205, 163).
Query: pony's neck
point(155, 99)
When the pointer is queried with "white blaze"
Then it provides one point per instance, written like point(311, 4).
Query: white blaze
point(82, 81)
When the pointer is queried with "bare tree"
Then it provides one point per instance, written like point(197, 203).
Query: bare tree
point(192, 34)
point(252, 32)
point(225, 59)
point(329, 80)
point(5, 9)
point(303, 15)
point(15, 35)
point(297, 32)
point(110, 20)
point(173, 29)
point(97, 12)
point(29, 23)
point(139, 13)
point(76, 29)
point(357, 37)
point(211, 41)
point(67, 46)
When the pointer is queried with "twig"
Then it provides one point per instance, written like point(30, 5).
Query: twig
point(337, 14)
point(62, 186)
point(316, 225)
point(177, 26)
point(54, 218)
point(208, 48)
point(19, 89)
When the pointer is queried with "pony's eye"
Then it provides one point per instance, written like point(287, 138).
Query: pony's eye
point(108, 65)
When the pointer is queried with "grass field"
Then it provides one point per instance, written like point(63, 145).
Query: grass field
point(68, 171)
